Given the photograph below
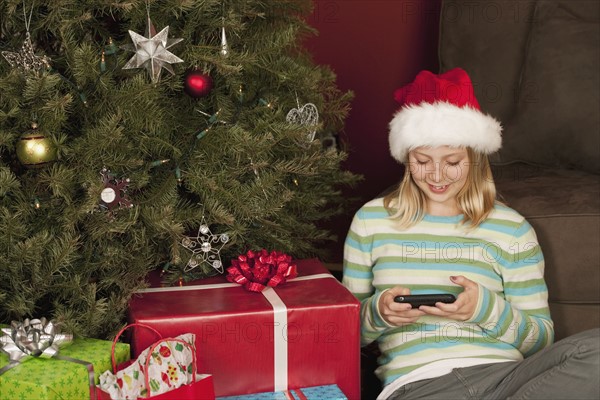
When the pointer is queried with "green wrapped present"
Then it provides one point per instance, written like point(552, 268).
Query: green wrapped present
point(56, 378)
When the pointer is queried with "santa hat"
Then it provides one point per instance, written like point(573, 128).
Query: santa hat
point(441, 110)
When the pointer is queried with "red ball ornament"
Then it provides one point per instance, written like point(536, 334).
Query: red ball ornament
point(197, 84)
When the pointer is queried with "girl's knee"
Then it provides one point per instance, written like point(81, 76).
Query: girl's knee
point(587, 341)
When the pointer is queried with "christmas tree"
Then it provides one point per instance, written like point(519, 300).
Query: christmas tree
point(144, 135)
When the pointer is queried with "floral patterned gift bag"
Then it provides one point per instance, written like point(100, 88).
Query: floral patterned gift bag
point(167, 369)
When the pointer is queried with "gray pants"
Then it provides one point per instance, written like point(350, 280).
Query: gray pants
point(569, 369)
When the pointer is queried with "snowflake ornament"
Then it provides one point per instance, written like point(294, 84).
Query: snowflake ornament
point(205, 247)
point(114, 194)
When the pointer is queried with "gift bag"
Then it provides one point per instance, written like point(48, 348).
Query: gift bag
point(165, 370)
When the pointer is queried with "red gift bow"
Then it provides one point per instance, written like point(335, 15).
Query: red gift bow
point(256, 271)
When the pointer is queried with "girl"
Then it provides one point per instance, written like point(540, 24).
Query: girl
point(443, 232)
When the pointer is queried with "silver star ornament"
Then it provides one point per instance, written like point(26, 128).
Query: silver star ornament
point(25, 60)
point(151, 51)
point(205, 247)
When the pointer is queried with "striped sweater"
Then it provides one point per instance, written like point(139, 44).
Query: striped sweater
point(502, 255)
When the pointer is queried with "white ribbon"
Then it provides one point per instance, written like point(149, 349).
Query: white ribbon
point(280, 339)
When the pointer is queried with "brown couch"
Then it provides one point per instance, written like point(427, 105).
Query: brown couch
point(535, 66)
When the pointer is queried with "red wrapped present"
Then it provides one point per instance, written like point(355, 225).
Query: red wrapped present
point(303, 333)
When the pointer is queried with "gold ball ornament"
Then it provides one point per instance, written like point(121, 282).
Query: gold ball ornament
point(35, 149)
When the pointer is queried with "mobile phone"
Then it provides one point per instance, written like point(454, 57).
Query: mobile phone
point(417, 300)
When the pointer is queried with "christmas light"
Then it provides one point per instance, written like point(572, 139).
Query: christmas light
point(102, 63)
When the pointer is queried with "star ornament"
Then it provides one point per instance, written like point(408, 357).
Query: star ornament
point(25, 60)
point(152, 51)
point(206, 248)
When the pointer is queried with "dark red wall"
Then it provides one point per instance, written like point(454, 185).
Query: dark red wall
point(374, 47)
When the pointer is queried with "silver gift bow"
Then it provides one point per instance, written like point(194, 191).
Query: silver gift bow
point(38, 338)
point(35, 337)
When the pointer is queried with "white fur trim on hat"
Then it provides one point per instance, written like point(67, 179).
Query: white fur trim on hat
point(442, 124)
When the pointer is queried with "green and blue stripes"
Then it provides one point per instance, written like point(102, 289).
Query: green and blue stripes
point(502, 255)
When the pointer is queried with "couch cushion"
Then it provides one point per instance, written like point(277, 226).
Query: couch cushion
point(570, 319)
point(563, 206)
point(488, 40)
point(535, 67)
point(558, 108)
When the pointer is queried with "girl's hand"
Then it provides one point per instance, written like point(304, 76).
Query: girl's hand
point(464, 306)
point(397, 314)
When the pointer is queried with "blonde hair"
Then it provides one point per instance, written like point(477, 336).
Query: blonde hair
point(475, 200)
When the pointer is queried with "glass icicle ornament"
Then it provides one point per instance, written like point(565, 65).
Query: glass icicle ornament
point(224, 46)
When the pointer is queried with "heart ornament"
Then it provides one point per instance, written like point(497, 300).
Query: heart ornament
point(308, 116)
